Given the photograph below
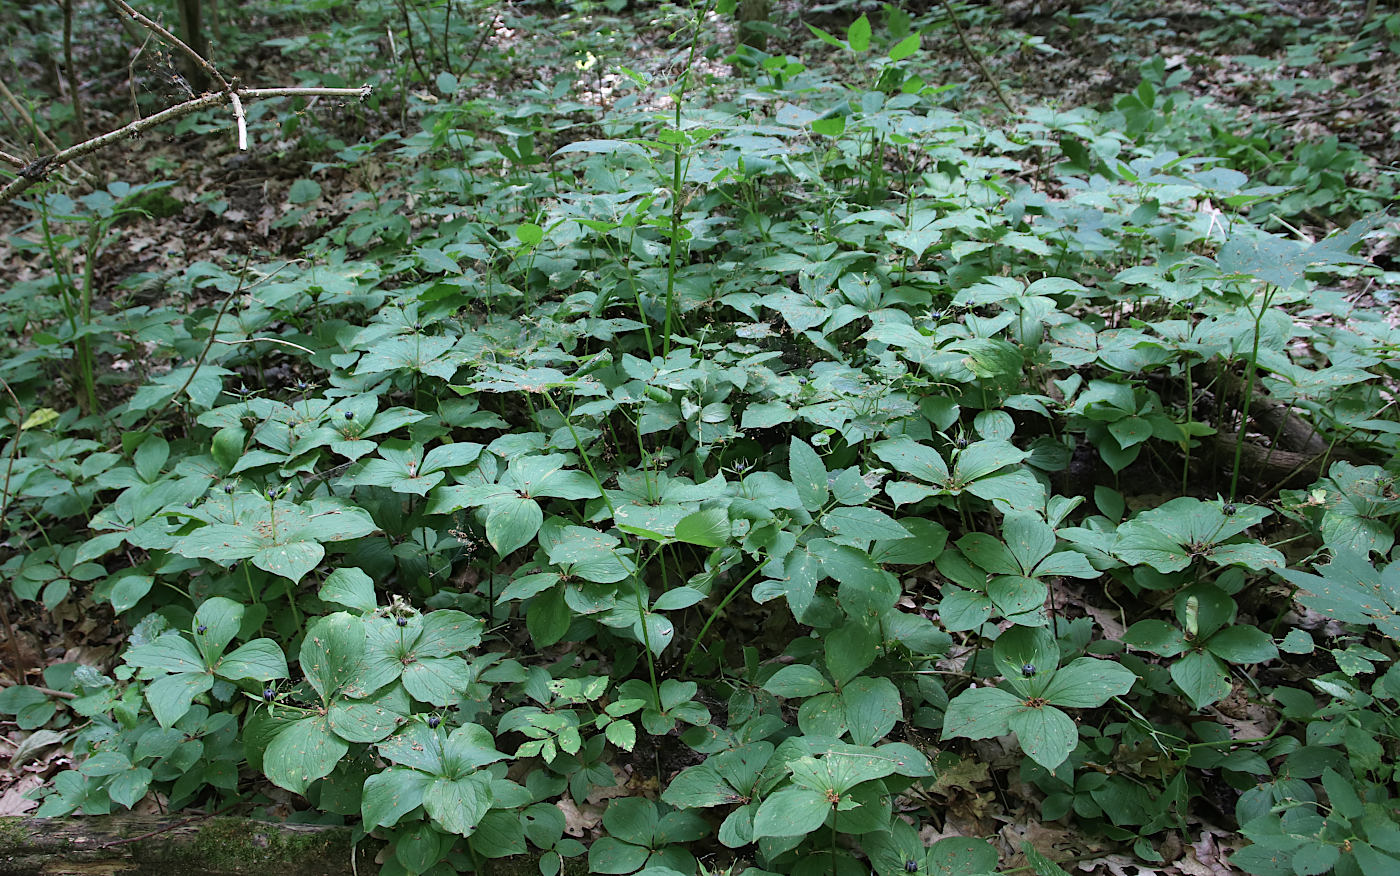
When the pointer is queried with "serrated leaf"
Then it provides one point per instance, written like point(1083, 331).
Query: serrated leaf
point(858, 34)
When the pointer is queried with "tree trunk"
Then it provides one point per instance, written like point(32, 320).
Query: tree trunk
point(192, 30)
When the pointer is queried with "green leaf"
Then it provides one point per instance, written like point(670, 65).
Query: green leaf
point(439, 681)
point(447, 631)
point(1157, 636)
point(791, 812)
point(1022, 648)
point(332, 652)
point(1202, 677)
point(470, 745)
point(457, 805)
point(905, 47)
point(849, 650)
point(872, 708)
point(548, 617)
point(218, 619)
point(980, 713)
point(529, 233)
point(797, 680)
point(1029, 539)
point(808, 474)
point(910, 458)
point(511, 522)
point(351, 587)
point(611, 855)
point(302, 752)
point(304, 191)
point(392, 794)
point(171, 695)
point(858, 34)
point(169, 652)
point(1046, 734)
point(982, 458)
point(129, 787)
point(1042, 865)
point(623, 734)
point(825, 37)
point(416, 746)
point(863, 524)
point(293, 559)
point(370, 720)
point(259, 660)
point(1243, 645)
point(632, 819)
point(709, 527)
point(960, 856)
point(1088, 683)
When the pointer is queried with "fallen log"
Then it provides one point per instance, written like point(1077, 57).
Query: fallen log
point(136, 845)
point(118, 845)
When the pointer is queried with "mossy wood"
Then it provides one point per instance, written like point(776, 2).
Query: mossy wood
point(127, 845)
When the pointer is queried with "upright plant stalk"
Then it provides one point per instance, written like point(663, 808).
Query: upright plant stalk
point(637, 578)
point(1249, 389)
point(84, 344)
point(677, 206)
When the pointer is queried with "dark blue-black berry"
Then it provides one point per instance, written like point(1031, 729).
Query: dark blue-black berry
point(1229, 509)
point(911, 866)
point(269, 694)
point(1028, 670)
point(433, 721)
point(228, 488)
point(401, 621)
point(202, 629)
point(349, 415)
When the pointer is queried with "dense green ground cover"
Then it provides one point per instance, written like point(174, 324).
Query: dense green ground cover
point(605, 442)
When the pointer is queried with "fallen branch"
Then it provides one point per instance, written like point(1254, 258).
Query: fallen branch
point(977, 59)
point(131, 844)
point(137, 845)
point(38, 170)
point(178, 44)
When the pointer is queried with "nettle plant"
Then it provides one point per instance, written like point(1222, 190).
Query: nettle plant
point(741, 449)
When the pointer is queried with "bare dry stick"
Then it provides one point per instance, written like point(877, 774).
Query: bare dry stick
point(176, 43)
point(29, 177)
point(977, 59)
point(38, 131)
point(13, 159)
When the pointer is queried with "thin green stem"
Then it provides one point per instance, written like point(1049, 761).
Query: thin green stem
point(1249, 390)
point(677, 203)
point(714, 615)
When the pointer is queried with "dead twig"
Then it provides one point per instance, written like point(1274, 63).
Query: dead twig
point(140, 126)
point(977, 59)
point(176, 43)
